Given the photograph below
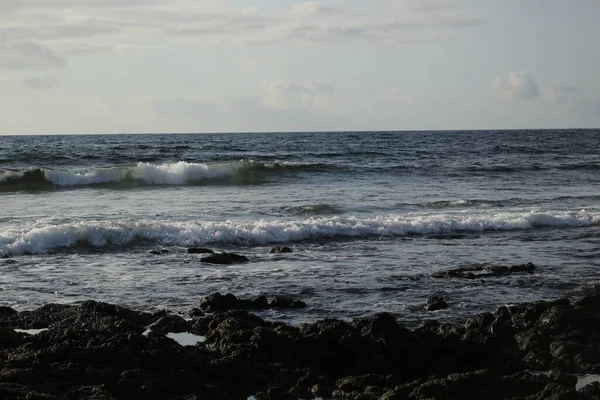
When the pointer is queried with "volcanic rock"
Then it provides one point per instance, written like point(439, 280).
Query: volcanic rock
point(225, 259)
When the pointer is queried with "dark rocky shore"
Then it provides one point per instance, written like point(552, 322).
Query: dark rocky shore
point(102, 351)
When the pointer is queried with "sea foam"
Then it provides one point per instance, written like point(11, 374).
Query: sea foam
point(119, 234)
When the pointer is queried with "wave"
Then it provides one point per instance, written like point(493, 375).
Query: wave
point(119, 234)
point(145, 173)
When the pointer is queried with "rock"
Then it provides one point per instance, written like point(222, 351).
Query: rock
point(591, 389)
point(435, 303)
point(225, 259)
point(158, 252)
point(219, 302)
point(102, 351)
point(171, 323)
point(9, 338)
point(199, 250)
point(281, 249)
point(480, 271)
point(286, 302)
point(6, 312)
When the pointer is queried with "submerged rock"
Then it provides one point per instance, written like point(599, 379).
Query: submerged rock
point(281, 249)
point(200, 250)
point(160, 251)
point(480, 271)
point(225, 259)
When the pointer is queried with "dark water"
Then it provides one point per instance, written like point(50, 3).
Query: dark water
point(370, 215)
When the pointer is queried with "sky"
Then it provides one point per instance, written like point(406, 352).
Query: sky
point(150, 66)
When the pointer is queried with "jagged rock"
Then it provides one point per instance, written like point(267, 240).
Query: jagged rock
point(225, 259)
point(170, 323)
point(219, 302)
point(435, 303)
point(102, 351)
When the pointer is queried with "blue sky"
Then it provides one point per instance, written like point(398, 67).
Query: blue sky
point(111, 66)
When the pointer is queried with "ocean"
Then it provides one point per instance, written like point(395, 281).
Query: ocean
point(371, 218)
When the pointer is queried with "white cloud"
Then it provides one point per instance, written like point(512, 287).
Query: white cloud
point(567, 98)
point(44, 82)
point(314, 22)
point(280, 94)
point(518, 85)
point(27, 54)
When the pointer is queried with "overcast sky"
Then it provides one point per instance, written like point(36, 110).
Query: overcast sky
point(112, 66)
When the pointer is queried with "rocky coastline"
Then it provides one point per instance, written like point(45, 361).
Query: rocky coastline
point(96, 350)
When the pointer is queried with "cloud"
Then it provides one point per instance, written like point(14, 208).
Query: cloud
point(26, 54)
point(45, 82)
point(518, 85)
point(566, 98)
point(311, 22)
point(283, 95)
point(71, 48)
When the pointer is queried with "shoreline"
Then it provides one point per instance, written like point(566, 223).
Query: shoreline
point(102, 351)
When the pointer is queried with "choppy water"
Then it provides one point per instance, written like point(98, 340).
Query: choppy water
point(370, 216)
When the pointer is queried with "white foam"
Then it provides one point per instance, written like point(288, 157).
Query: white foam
point(40, 239)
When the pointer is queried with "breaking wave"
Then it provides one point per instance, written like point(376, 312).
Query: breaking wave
point(144, 173)
point(119, 234)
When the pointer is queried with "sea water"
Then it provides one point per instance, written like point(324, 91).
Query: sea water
point(371, 216)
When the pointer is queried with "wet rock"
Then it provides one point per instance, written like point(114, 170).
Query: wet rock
point(286, 302)
point(435, 303)
point(481, 271)
point(225, 259)
point(219, 302)
point(281, 249)
point(591, 390)
point(170, 323)
point(199, 250)
point(160, 251)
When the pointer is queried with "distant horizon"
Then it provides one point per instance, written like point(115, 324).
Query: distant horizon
point(294, 132)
